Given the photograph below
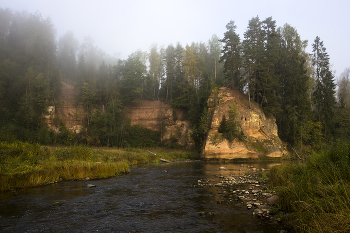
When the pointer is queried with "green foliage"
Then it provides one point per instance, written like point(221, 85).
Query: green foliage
point(258, 146)
point(230, 128)
point(316, 193)
point(293, 120)
point(134, 79)
point(140, 137)
point(232, 56)
point(222, 127)
point(324, 94)
point(342, 123)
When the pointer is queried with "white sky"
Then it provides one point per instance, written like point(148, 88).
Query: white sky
point(124, 26)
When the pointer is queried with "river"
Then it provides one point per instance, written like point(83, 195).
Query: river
point(151, 198)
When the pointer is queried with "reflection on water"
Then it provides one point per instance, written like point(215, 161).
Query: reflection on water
point(236, 169)
point(151, 198)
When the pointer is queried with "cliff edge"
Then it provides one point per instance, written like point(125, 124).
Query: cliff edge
point(260, 132)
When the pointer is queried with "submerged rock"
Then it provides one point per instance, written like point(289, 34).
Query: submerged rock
point(90, 185)
point(57, 203)
point(272, 200)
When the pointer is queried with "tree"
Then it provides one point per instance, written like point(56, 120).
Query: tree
point(155, 68)
point(343, 92)
point(189, 67)
point(134, 74)
point(231, 56)
point(229, 128)
point(215, 68)
point(66, 55)
point(103, 83)
point(170, 72)
point(323, 96)
point(294, 84)
point(269, 78)
point(81, 70)
point(260, 49)
point(253, 50)
point(88, 100)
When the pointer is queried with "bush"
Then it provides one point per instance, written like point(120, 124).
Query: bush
point(140, 137)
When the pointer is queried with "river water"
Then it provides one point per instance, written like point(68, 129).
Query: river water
point(151, 198)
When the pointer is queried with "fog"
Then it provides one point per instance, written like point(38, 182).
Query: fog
point(120, 28)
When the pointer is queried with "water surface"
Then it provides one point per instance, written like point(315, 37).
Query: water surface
point(151, 198)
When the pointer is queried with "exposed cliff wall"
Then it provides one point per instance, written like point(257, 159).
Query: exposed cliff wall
point(261, 138)
point(159, 116)
point(67, 109)
point(154, 115)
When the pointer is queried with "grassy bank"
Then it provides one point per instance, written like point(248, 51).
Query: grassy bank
point(25, 165)
point(316, 193)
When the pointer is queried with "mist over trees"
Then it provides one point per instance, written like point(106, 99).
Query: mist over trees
point(269, 64)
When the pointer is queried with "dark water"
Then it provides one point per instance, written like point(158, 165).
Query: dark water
point(151, 198)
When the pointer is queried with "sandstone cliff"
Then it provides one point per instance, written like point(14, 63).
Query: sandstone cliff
point(67, 109)
point(154, 115)
point(261, 138)
point(159, 116)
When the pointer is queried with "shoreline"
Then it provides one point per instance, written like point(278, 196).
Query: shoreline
point(25, 165)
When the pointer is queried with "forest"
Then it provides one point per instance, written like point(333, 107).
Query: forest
point(269, 64)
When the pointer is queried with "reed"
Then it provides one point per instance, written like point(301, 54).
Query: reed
point(316, 193)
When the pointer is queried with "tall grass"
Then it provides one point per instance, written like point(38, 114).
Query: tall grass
point(316, 193)
point(26, 165)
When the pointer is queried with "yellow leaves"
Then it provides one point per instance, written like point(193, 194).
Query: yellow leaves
point(189, 67)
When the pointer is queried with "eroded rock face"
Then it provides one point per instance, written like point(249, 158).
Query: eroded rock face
point(159, 116)
point(260, 131)
point(68, 110)
point(154, 115)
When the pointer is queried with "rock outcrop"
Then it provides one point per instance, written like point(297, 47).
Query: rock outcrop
point(67, 110)
point(161, 117)
point(154, 115)
point(261, 138)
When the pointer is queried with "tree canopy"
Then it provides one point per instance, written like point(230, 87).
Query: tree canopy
point(269, 64)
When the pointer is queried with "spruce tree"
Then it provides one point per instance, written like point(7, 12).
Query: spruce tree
point(323, 96)
point(253, 50)
point(232, 56)
point(294, 85)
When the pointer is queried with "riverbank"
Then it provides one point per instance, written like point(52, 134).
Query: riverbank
point(316, 194)
point(24, 165)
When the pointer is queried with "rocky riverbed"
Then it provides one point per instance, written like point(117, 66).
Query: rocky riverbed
point(247, 187)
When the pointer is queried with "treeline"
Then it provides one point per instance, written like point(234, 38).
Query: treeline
point(270, 65)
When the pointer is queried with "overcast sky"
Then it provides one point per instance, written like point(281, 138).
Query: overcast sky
point(122, 27)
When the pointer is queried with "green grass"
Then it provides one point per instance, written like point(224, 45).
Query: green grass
point(25, 165)
point(316, 193)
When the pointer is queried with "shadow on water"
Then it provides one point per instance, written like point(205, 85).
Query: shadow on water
point(151, 198)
